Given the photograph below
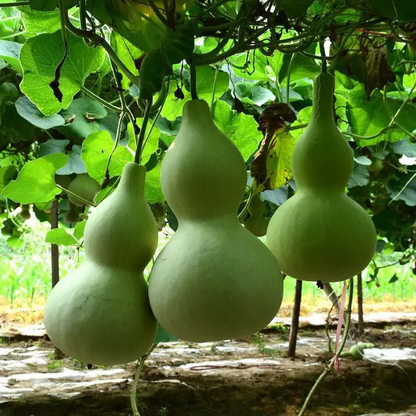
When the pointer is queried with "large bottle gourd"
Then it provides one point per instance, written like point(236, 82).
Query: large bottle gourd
point(214, 280)
point(320, 233)
point(100, 313)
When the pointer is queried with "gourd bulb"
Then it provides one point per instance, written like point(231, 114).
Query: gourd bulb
point(213, 280)
point(99, 313)
point(321, 233)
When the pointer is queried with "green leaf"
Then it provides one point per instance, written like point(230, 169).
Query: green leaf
point(302, 67)
point(153, 188)
point(177, 46)
point(79, 230)
point(96, 151)
point(31, 113)
point(50, 4)
point(360, 176)
point(41, 56)
point(294, 8)
point(240, 128)
point(367, 118)
point(129, 20)
point(8, 93)
point(128, 54)
point(7, 174)
point(9, 51)
point(394, 9)
point(403, 189)
point(14, 128)
point(36, 22)
point(405, 147)
point(75, 163)
point(152, 143)
point(252, 67)
point(205, 76)
point(36, 180)
point(60, 237)
point(83, 117)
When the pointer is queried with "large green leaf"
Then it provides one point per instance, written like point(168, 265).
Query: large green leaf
point(31, 113)
point(251, 66)
point(240, 128)
point(403, 189)
point(157, 64)
point(42, 55)
point(50, 4)
point(40, 22)
point(60, 237)
point(153, 188)
point(133, 20)
point(36, 180)
point(128, 54)
point(205, 76)
point(368, 118)
point(96, 151)
point(394, 9)
point(9, 52)
point(83, 117)
point(75, 163)
point(152, 142)
point(301, 67)
point(294, 8)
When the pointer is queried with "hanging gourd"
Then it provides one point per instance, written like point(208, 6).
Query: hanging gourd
point(214, 280)
point(257, 223)
point(85, 187)
point(100, 313)
point(320, 233)
point(72, 215)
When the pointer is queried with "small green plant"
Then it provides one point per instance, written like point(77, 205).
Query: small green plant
point(367, 396)
point(54, 365)
point(163, 411)
point(261, 346)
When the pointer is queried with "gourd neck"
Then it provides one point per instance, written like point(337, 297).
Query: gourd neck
point(197, 115)
point(132, 178)
point(323, 95)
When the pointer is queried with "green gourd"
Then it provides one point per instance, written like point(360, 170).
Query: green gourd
point(85, 187)
point(100, 313)
point(213, 280)
point(320, 233)
point(72, 215)
point(25, 213)
point(256, 223)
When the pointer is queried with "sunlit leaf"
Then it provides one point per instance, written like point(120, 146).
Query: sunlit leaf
point(36, 180)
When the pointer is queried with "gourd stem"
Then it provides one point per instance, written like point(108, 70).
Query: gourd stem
point(192, 66)
point(246, 206)
point(334, 360)
point(139, 368)
point(324, 66)
point(142, 134)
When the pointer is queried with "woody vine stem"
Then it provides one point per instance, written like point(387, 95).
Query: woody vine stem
point(333, 361)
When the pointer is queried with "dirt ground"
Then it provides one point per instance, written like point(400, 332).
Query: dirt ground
point(249, 377)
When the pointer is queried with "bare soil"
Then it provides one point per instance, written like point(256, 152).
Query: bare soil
point(249, 377)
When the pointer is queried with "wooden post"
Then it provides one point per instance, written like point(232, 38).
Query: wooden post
point(54, 247)
point(295, 320)
point(360, 304)
point(331, 295)
point(55, 261)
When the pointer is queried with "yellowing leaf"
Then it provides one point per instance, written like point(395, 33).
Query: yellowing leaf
point(279, 160)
